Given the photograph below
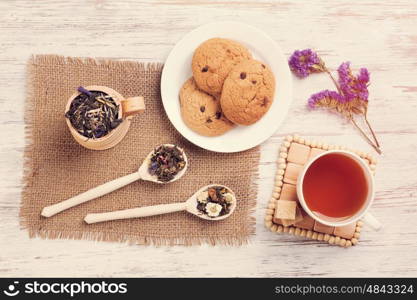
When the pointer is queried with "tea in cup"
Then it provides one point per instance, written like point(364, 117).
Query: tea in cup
point(336, 188)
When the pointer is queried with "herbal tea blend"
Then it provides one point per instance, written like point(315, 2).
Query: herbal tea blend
point(166, 162)
point(93, 113)
point(214, 202)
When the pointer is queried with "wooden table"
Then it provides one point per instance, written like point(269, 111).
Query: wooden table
point(381, 36)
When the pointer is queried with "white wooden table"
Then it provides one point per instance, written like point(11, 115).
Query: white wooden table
point(379, 35)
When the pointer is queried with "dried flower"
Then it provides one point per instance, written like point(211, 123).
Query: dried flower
point(326, 98)
point(213, 209)
point(353, 87)
point(83, 90)
point(352, 93)
point(304, 62)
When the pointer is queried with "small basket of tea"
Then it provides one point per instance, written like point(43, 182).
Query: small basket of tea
point(98, 117)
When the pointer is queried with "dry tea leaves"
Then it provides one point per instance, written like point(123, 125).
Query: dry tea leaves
point(166, 162)
point(93, 113)
point(215, 201)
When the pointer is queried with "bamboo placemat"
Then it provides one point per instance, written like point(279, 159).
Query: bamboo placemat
point(295, 151)
point(57, 167)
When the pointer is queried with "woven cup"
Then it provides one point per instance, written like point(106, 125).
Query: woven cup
point(127, 108)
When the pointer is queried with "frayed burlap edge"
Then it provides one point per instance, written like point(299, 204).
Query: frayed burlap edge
point(28, 152)
point(25, 211)
point(131, 239)
point(48, 59)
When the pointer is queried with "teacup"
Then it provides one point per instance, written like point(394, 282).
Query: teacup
point(127, 108)
point(312, 168)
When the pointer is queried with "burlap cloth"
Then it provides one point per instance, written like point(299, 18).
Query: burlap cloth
point(57, 168)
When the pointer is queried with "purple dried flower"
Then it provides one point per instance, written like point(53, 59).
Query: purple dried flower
point(325, 98)
point(304, 62)
point(363, 75)
point(83, 90)
point(352, 93)
point(353, 87)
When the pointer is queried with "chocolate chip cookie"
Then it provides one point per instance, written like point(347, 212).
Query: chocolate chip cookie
point(201, 112)
point(248, 92)
point(213, 60)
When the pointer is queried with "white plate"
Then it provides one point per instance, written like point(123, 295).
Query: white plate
point(177, 70)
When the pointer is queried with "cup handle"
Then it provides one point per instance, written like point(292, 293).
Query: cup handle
point(372, 221)
point(132, 106)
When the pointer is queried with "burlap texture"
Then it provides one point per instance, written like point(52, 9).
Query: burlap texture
point(57, 168)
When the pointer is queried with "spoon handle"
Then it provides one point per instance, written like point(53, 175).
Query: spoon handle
point(96, 192)
point(135, 212)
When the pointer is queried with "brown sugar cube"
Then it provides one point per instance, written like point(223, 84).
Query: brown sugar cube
point(286, 209)
point(289, 192)
point(277, 221)
point(298, 215)
point(287, 222)
point(291, 173)
point(314, 152)
point(323, 228)
point(346, 231)
point(283, 222)
point(298, 218)
point(307, 222)
point(298, 153)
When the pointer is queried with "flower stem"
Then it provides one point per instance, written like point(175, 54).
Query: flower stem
point(365, 136)
point(370, 128)
point(334, 80)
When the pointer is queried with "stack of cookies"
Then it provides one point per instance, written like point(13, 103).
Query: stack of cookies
point(228, 88)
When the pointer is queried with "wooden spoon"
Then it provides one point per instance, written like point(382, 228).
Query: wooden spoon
point(190, 206)
point(113, 185)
